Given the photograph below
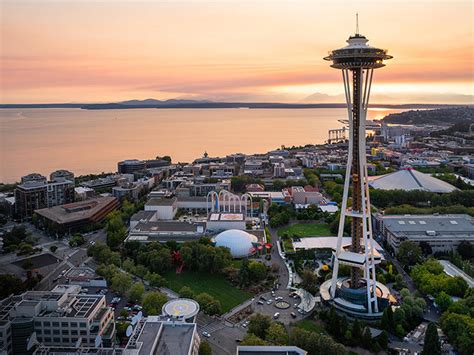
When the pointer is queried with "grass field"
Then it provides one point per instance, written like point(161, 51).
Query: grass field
point(309, 325)
point(306, 230)
point(214, 284)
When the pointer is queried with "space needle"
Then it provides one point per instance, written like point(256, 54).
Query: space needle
point(359, 295)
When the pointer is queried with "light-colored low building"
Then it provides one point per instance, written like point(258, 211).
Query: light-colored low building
point(166, 208)
point(163, 231)
point(442, 232)
point(225, 221)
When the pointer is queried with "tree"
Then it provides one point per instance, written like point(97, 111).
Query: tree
point(382, 339)
point(153, 302)
point(356, 331)
point(116, 230)
point(258, 270)
point(366, 339)
point(155, 280)
point(315, 343)
point(387, 322)
point(252, 339)
point(186, 292)
point(259, 325)
point(205, 348)
point(136, 292)
point(426, 248)
point(124, 313)
point(244, 273)
point(309, 281)
point(277, 334)
point(121, 282)
point(432, 345)
point(53, 248)
point(409, 253)
point(400, 331)
point(209, 305)
point(10, 285)
point(128, 265)
point(443, 300)
point(466, 250)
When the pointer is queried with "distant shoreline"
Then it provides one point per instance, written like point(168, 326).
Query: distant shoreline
point(219, 105)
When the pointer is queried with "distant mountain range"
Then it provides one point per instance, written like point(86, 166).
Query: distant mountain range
point(177, 103)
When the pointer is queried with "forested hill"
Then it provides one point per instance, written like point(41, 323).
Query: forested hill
point(442, 116)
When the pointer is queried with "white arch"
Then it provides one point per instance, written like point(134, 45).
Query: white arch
point(214, 198)
point(245, 197)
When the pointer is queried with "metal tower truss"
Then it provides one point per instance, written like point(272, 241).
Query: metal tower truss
point(362, 256)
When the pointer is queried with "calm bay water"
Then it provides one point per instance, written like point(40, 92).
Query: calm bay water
point(43, 140)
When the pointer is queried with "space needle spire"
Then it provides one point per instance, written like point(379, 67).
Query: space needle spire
point(357, 62)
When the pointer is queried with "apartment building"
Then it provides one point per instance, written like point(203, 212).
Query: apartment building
point(61, 317)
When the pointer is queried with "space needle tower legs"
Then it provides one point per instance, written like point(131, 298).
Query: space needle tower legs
point(357, 62)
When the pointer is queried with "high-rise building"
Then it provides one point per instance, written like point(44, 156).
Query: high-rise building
point(35, 192)
point(360, 294)
point(61, 175)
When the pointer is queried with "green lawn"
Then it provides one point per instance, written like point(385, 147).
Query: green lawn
point(214, 284)
point(310, 325)
point(306, 230)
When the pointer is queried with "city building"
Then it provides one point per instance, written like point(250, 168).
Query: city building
point(84, 276)
point(143, 216)
point(83, 193)
point(61, 317)
point(129, 191)
point(305, 195)
point(223, 221)
point(166, 208)
point(71, 217)
point(442, 232)
point(35, 192)
point(33, 177)
point(130, 166)
point(163, 231)
point(156, 335)
point(61, 174)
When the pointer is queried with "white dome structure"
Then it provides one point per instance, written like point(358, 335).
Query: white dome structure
point(238, 241)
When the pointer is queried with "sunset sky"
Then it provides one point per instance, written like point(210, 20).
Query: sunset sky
point(105, 51)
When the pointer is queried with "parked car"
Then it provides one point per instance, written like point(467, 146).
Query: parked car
point(278, 298)
point(276, 315)
point(206, 334)
point(269, 301)
point(260, 302)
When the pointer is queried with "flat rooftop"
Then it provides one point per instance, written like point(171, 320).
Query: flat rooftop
point(169, 226)
point(226, 217)
point(76, 211)
point(165, 338)
point(143, 215)
point(445, 224)
point(161, 201)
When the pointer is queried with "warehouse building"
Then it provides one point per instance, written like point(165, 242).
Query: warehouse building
point(442, 232)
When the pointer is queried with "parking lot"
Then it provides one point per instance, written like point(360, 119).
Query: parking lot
point(266, 304)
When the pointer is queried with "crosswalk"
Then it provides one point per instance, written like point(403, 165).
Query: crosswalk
point(210, 327)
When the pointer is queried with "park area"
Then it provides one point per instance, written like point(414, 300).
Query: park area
point(303, 230)
point(213, 284)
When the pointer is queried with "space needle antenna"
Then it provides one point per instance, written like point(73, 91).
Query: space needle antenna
point(357, 23)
